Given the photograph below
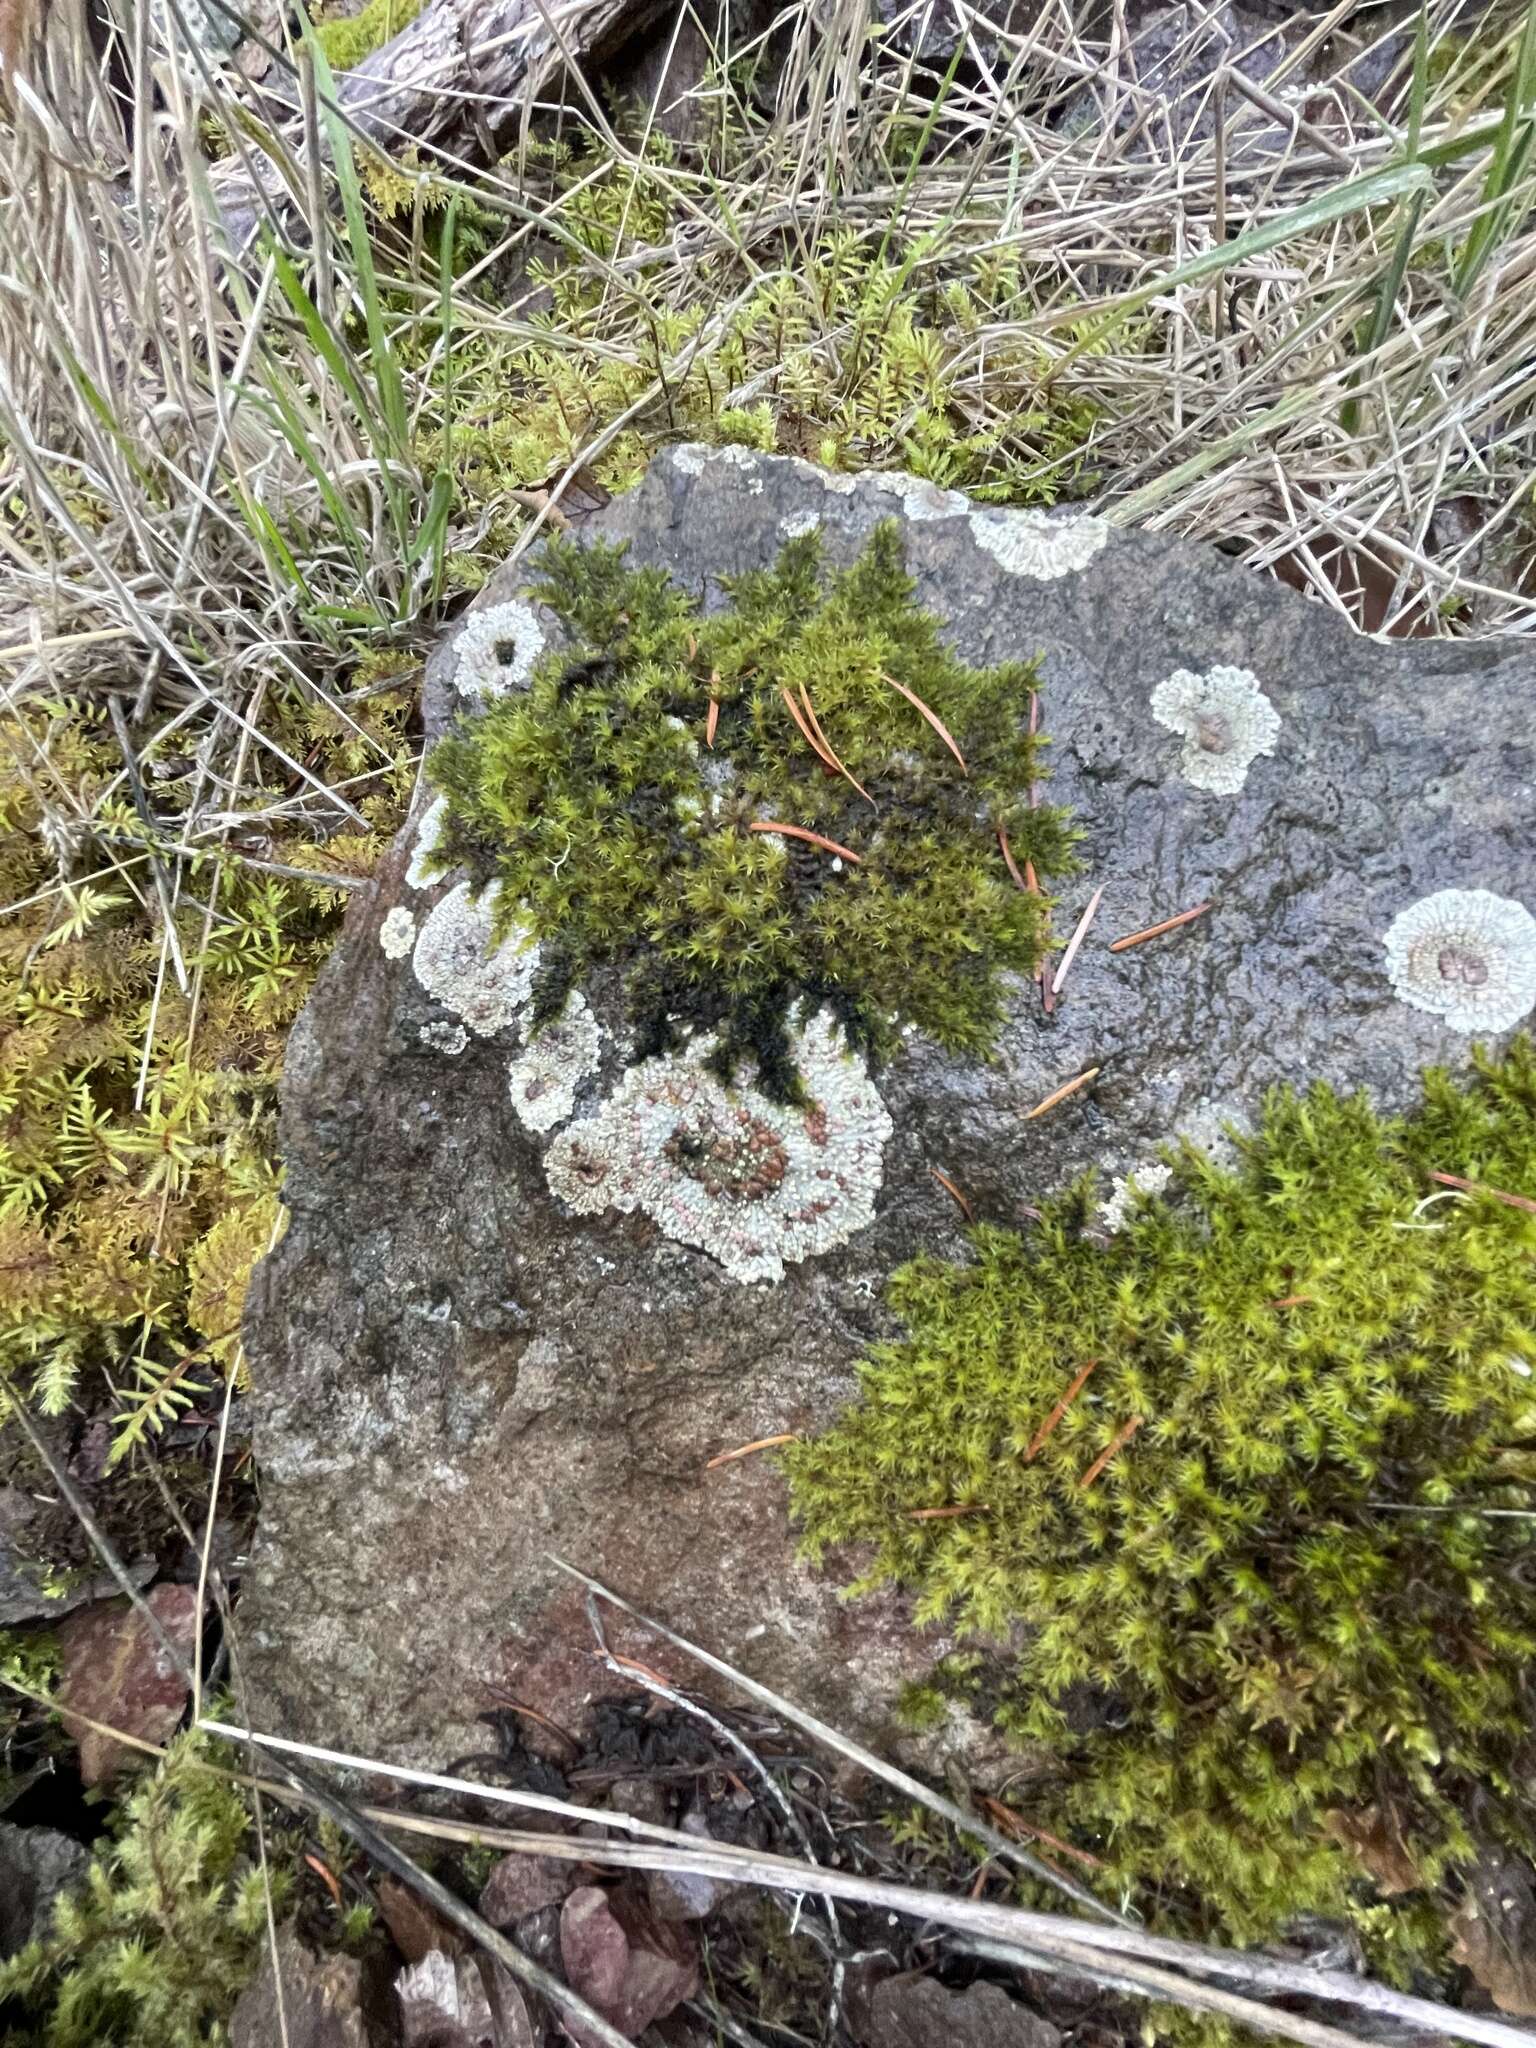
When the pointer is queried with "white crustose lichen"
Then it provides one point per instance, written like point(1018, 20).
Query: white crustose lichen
point(456, 962)
point(752, 1182)
point(1467, 956)
point(418, 874)
point(560, 1056)
point(397, 934)
point(1226, 722)
point(497, 649)
point(1033, 544)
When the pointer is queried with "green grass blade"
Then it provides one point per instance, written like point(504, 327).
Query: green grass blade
point(1506, 167)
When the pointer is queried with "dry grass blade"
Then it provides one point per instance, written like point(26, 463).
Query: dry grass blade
point(880, 1767)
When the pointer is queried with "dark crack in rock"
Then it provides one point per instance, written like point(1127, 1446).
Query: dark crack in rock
point(455, 1378)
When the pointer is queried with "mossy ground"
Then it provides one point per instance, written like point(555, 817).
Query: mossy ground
point(1293, 1594)
point(621, 803)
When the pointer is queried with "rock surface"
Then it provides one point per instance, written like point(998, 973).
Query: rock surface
point(455, 1377)
point(36, 1865)
point(327, 2001)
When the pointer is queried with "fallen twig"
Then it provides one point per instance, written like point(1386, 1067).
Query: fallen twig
point(1155, 931)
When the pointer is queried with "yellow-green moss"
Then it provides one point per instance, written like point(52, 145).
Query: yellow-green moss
point(137, 1171)
point(619, 832)
point(348, 40)
point(1295, 1589)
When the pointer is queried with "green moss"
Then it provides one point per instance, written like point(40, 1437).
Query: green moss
point(155, 1946)
point(1258, 1613)
point(348, 41)
point(619, 834)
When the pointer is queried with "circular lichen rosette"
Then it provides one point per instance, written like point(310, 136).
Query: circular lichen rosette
point(753, 1182)
point(1467, 956)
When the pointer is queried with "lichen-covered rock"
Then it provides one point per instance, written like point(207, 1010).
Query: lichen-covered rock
point(458, 1369)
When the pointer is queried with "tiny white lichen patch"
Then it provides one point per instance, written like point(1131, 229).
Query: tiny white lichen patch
point(1466, 955)
point(456, 962)
point(1126, 1189)
point(754, 1183)
point(798, 523)
point(1226, 722)
point(416, 874)
point(1031, 543)
point(497, 649)
point(397, 934)
point(443, 1037)
point(560, 1056)
point(921, 499)
point(690, 458)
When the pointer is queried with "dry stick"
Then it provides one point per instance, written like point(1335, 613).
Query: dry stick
point(829, 750)
point(1117, 1442)
point(1038, 1440)
point(627, 1668)
point(912, 1788)
point(1011, 1928)
point(1076, 940)
point(803, 832)
point(961, 1201)
point(1061, 1094)
point(932, 717)
point(1155, 931)
point(762, 1443)
point(1476, 1187)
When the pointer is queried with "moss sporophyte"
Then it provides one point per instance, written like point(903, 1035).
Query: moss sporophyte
point(804, 801)
point(1292, 1613)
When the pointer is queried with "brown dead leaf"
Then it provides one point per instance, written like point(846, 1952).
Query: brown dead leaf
point(415, 1927)
point(1376, 1838)
point(1493, 1931)
point(115, 1672)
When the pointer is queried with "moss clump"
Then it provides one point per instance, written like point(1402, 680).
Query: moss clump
point(168, 1925)
point(1259, 1614)
point(619, 832)
point(351, 38)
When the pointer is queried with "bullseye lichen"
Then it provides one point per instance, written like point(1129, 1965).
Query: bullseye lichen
point(801, 798)
point(753, 1182)
point(1465, 955)
point(1249, 1494)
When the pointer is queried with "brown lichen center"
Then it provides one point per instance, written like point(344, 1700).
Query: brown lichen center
point(1461, 964)
point(744, 1165)
point(1213, 732)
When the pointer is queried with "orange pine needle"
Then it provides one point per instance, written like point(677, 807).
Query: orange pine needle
point(949, 1187)
point(805, 731)
point(763, 1443)
point(974, 1507)
point(327, 1877)
point(1155, 931)
point(932, 717)
point(1047, 1428)
point(1290, 1301)
point(800, 832)
point(1117, 1442)
point(829, 751)
point(1061, 1094)
point(711, 722)
point(1015, 1823)
point(1476, 1187)
point(1013, 866)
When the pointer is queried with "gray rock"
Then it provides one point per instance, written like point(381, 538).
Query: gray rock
point(1161, 95)
point(36, 1865)
point(454, 1378)
point(30, 1589)
point(920, 2012)
point(328, 2001)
